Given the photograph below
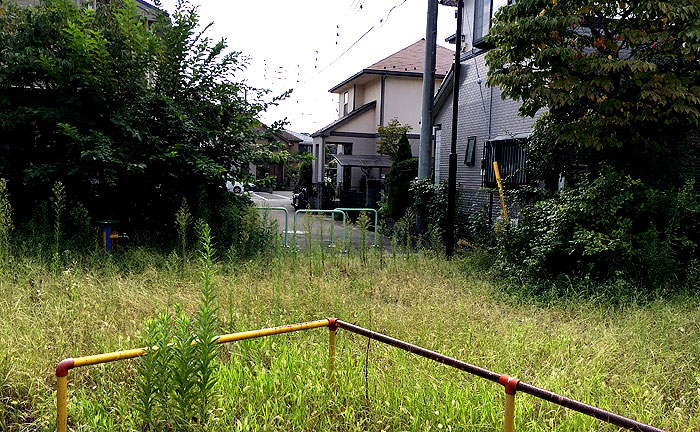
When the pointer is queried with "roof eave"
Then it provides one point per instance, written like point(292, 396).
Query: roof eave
point(387, 72)
point(345, 119)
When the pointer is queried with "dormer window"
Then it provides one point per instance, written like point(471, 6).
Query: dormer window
point(346, 102)
point(482, 21)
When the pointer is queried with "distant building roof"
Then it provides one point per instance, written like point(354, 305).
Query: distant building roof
point(352, 114)
point(364, 161)
point(305, 138)
point(407, 62)
point(276, 135)
point(411, 59)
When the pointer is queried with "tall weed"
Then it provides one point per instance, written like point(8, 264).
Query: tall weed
point(5, 224)
point(176, 378)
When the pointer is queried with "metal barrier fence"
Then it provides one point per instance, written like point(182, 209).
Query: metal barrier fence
point(333, 212)
point(286, 219)
point(376, 217)
point(510, 384)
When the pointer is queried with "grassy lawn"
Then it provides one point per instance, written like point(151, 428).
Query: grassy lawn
point(641, 361)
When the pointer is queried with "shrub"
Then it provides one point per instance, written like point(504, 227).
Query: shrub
point(399, 197)
point(305, 175)
point(611, 228)
point(430, 202)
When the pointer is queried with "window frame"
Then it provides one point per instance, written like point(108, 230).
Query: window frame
point(471, 145)
point(478, 40)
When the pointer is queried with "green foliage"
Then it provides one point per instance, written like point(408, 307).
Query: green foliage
point(58, 203)
point(607, 229)
point(207, 327)
point(399, 197)
point(619, 80)
point(5, 224)
point(404, 150)
point(430, 202)
point(130, 119)
point(391, 140)
point(251, 232)
point(305, 173)
point(177, 377)
point(363, 223)
point(182, 222)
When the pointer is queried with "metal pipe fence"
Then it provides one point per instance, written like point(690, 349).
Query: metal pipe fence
point(511, 385)
point(376, 217)
point(333, 212)
point(286, 219)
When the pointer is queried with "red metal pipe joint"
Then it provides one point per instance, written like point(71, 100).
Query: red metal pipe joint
point(64, 366)
point(331, 323)
point(509, 383)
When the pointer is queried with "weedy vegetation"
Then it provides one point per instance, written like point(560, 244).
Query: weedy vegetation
point(636, 358)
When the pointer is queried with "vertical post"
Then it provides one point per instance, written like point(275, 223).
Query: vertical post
point(452, 171)
point(62, 394)
point(509, 415)
point(504, 210)
point(62, 403)
point(331, 349)
point(426, 129)
point(510, 384)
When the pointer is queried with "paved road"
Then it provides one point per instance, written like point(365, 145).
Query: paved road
point(318, 223)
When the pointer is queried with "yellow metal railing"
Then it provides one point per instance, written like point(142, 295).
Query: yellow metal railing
point(510, 384)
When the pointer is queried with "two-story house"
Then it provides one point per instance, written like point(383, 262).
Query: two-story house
point(390, 88)
point(488, 128)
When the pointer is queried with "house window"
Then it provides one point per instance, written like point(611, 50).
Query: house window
point(438, 136)
point(469, 153)
point(482, 20)
point(304, 148)
point(511, 162)
point(346, 102)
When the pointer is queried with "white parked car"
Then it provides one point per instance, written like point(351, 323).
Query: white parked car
point(235, 187)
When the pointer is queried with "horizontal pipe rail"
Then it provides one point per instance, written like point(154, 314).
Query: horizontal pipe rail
point(363, 209)
point(511, 384)
point(70, 363)
point(286, 219)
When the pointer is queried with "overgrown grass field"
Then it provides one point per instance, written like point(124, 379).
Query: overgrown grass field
point(639, 360)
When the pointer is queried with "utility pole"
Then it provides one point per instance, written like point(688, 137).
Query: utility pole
point(426, 126)
point(452, 171)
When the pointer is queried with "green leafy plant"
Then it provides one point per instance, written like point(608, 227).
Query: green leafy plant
point(118, 108)
point(608, 228)
point(618, 80)
point(183, 219)
point(399, 197)
point(393, 141)
point(363, 223)
point(177, 377)
point(5, 223)
point(58, 203)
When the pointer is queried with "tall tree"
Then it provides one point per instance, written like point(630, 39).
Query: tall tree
point(130, 117)
point(390, 139)
point(620, 80)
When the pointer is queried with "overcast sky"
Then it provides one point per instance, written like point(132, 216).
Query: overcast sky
point(307, 45)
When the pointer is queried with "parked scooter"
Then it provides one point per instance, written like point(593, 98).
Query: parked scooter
point(299, 199)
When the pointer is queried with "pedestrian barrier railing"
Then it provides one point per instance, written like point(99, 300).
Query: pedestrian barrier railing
point(314, 211)
point(376, 217)
point(286, 219)
point(510, 384)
